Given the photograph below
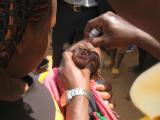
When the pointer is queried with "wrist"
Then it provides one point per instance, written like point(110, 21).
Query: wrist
point(138, 37)
point(142, 38)
point(81, 83)
point(69, 95)
point(79, 106)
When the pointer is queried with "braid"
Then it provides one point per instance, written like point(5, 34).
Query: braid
point(14, 16)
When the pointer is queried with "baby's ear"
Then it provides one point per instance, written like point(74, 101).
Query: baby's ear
point(96, 75)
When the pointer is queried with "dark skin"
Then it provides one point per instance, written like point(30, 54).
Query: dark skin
point(125, 33)
point(73, 77)
point(11, 86)
point(83, 57)
point(86, 71)
point(141, 13)
point(117, 32)
point(138, 24)
point(29, 53)
point(82, 76)
point(87, 56)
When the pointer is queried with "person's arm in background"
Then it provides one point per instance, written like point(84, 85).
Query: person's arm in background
point(117, 32)
point(77, 108)
point(149, 43)
point(143, 14)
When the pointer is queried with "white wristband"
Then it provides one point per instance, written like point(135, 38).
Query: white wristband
point(76, 92)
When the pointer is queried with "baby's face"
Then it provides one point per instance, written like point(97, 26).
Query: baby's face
point(85, 55)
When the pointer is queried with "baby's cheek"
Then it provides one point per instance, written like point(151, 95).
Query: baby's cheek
point(81, 63)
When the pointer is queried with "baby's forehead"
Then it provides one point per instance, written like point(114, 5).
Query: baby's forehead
point(85, 44)
point(89, 46)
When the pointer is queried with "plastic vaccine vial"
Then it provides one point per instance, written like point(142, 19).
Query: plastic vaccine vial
point(94, 33)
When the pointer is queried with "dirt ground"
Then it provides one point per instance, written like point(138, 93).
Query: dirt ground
point(121, 86)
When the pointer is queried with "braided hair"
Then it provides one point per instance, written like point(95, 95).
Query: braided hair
point(14, 16)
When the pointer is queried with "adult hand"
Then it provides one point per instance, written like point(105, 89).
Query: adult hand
point(104, 90)
point(71, 76)
point(116, 32)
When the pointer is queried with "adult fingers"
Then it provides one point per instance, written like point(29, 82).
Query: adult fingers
point(100, 87)
point(94, 23)
point(67, 62)
point(105, 95)
point(101, 41)
point(103, 87)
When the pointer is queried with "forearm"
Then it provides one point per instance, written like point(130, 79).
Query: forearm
point(77, 109)
point(149, 43)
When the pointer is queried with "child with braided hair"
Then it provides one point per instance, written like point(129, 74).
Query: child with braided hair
point(22, 49)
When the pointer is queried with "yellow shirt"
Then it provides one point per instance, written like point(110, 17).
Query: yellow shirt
point(58, 113)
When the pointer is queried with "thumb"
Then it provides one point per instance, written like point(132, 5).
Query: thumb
point(102, 41)
point(98, 41)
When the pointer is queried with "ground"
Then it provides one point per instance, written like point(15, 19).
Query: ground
point(121, 86)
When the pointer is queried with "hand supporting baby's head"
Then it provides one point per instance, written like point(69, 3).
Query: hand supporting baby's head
point(86, 56)
point(78, 65)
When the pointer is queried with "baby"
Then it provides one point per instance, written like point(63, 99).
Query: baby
point(85, 56)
